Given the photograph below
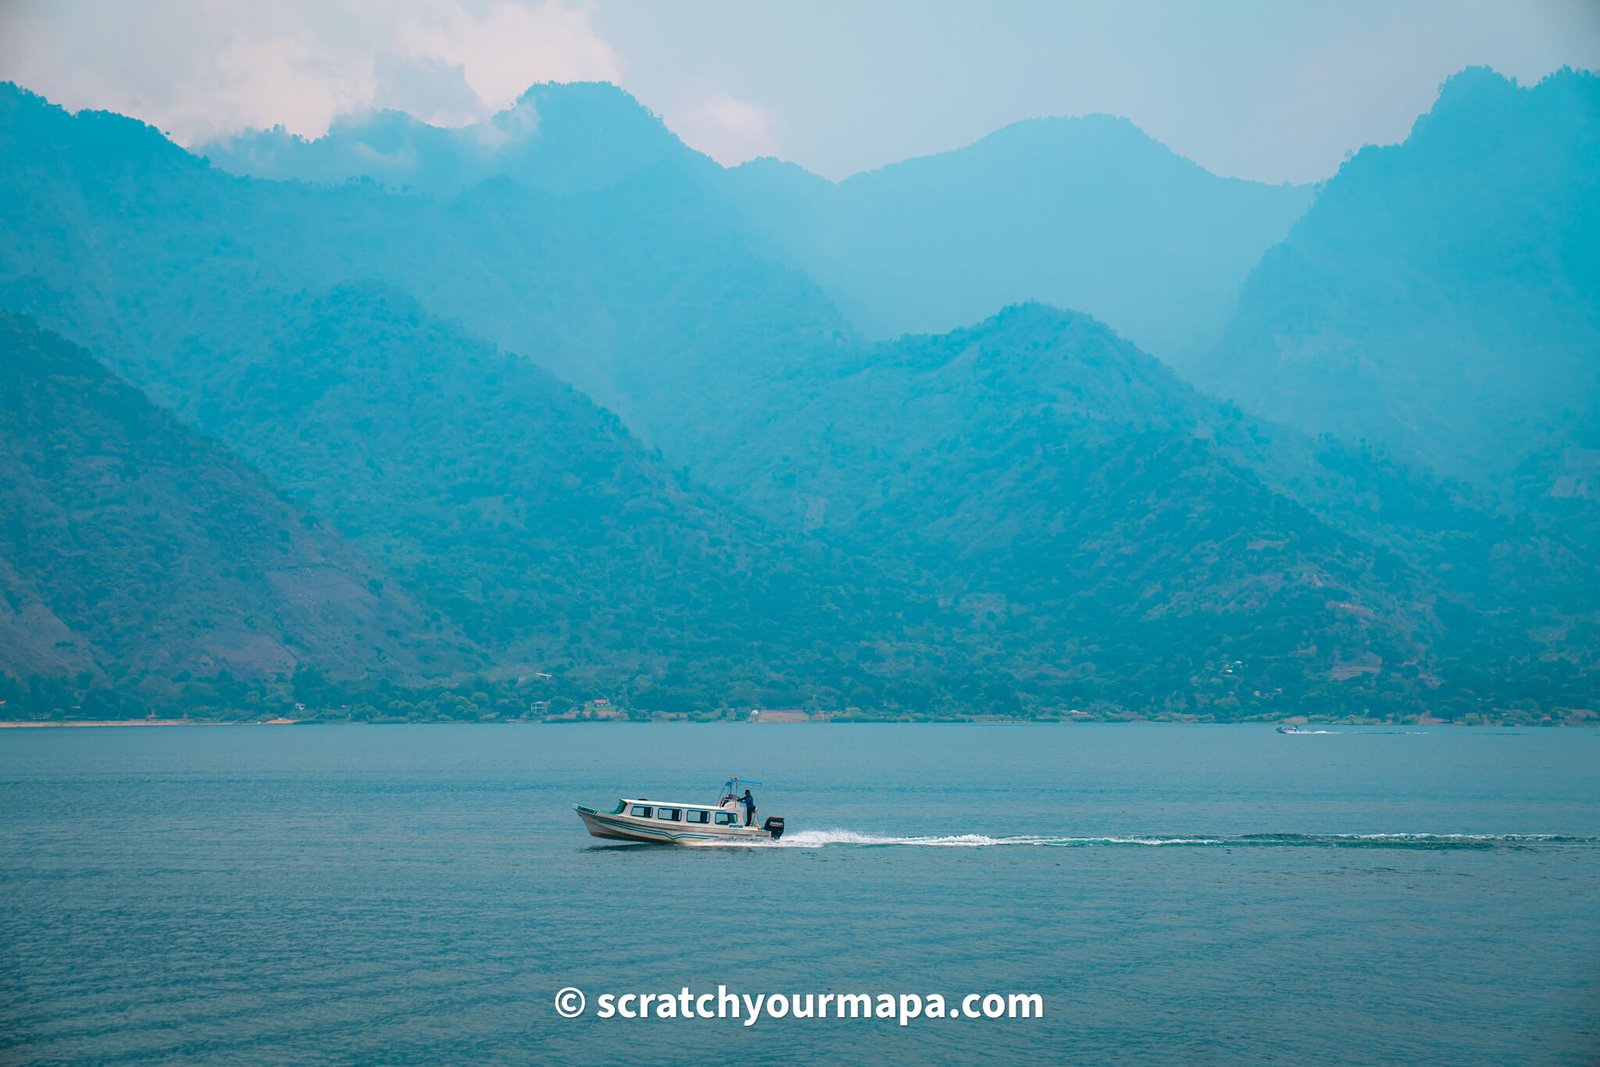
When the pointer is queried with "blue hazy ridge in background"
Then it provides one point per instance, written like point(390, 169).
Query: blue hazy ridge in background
point(1441, 298)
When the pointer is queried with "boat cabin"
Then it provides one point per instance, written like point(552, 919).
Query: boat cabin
point(693, 814)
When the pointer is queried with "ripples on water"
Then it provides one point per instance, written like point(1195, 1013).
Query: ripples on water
point(418, 894)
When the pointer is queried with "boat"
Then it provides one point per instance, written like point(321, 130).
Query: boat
point(663, 822)
point(1291, 728)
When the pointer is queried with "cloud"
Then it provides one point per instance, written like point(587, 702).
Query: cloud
point(200, 68)
point(506, 127)
point(427, 87)
point(726, 128)
point(503, 47)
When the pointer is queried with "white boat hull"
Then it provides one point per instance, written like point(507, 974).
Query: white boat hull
point(618, 826)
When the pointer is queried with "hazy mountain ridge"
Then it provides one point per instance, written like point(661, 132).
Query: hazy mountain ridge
point(1442, 296)
point(566, 138)
point(508, 501)
point(133, 548)
point(1088, 213)
point(1029, 512)
point(202, 309)
point(643, 294)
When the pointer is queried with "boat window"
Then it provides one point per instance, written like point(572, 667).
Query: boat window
point(691, 815)
point(726, 818)
point(669, 814)
point(641, 810)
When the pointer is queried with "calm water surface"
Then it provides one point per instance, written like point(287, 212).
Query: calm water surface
point(419, 893)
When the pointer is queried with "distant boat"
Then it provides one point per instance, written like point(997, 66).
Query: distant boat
point(1290, 728)
point(676, 823)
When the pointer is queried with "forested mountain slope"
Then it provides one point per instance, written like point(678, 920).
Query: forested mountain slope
point(1055, 481)
point(1441, 299)
point(134, 549)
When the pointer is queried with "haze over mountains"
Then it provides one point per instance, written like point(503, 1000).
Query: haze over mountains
point(1088, 213)
point(414, 335)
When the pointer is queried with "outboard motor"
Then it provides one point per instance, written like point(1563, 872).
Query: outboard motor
point(773, 826)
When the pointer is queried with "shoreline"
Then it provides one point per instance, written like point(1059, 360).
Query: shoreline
point(45, 724)
point(58, 724)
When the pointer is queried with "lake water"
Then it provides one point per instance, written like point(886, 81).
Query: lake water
point(1207, 894)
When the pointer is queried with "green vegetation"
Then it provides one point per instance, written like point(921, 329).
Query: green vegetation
point(135, 553)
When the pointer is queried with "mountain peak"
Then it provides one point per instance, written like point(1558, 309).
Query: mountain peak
point(1050, 143)
point(593, 96)
point(1476, 102)
point(559, 137)
point(1035, 315)
point(1475, 82)
point(1097, 128)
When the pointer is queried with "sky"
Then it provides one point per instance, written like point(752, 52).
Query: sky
point(1272, 91)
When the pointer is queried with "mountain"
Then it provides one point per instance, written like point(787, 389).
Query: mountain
point(647, 294)
point(133, 549)
point(510, 503)
point(567, 138)
point(1087, 213)
point(1055, 482)
point(613, 433)
point(1115, 530)
point(1441, 298)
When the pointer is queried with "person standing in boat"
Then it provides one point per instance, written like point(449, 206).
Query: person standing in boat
point(749, 803)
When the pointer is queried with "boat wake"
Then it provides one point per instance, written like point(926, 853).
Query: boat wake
point(832, 838)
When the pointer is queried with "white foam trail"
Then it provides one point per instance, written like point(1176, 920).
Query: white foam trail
point(823, 838)
point(1453, 837)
